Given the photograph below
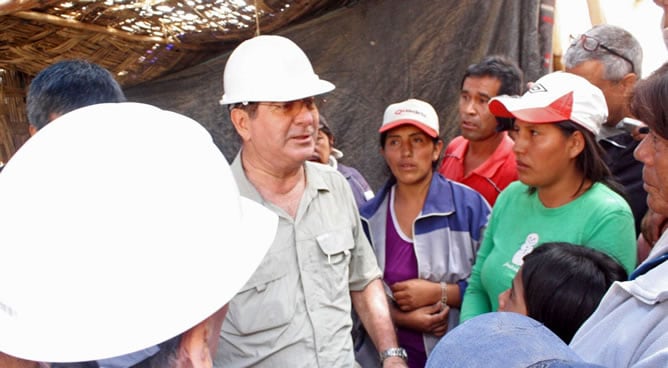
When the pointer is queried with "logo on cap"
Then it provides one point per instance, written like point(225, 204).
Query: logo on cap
point(417, 112)
point(537, 87)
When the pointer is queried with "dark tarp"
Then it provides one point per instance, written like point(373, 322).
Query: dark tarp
point(377, 53)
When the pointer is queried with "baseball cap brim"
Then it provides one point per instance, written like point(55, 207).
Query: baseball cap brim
point(429, 131)
point(114, 240)
point(518, 108)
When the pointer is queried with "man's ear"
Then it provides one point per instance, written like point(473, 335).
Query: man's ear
point(54, 115)
point(241, 120)
point(629, 81)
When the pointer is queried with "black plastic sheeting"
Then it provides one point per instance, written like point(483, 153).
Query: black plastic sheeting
point(377, 53)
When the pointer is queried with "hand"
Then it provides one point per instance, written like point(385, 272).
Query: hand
point(652, 226)
point(415, 293)
point(431, 319)
point(392, 362)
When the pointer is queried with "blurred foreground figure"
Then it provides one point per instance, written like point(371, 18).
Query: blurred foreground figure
point(107, 249)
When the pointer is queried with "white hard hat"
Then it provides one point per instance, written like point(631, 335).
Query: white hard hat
point(270, 68)
point(122, 227)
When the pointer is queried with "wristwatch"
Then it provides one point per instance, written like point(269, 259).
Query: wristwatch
point(393, 352)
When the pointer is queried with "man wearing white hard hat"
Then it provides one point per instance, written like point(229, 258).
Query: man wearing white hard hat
point(296, 309)
point(110, 251)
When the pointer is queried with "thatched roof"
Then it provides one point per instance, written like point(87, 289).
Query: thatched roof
point(137, 40)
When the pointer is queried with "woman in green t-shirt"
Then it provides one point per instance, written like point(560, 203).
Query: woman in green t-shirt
point(565, 191)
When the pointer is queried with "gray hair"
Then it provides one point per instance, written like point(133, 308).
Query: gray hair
point(615, 38)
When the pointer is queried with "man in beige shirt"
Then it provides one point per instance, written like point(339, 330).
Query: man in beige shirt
point(295, 311)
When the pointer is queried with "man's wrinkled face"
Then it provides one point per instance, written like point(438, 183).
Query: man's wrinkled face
point(653, 153)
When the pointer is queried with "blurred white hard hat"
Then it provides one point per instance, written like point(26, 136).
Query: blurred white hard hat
point(121, 227)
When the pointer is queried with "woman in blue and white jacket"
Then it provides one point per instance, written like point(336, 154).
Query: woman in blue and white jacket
point(424, 229)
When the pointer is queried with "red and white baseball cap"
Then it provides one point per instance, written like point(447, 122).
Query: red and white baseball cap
point(553, 98)
point(415, 112)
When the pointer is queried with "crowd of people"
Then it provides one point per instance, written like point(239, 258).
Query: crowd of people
point(533, 239)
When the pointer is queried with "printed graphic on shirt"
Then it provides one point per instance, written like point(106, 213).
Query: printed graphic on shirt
point(526, 248)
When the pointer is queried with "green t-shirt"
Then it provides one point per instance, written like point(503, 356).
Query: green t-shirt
point(599, 219)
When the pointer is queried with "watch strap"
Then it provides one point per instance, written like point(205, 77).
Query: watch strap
point(393, 352)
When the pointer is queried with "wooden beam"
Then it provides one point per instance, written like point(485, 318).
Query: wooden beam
point(69, 23)
point(110, 31)
point(8, 7)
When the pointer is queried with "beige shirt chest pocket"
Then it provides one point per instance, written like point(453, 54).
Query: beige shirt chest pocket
point(266, 302)
point(336, 246)
point(333, 263)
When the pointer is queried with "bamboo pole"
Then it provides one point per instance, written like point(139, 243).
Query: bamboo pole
point(596, 14)
point(557, 47)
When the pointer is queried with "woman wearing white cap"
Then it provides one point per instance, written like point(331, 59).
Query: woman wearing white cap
point(425, 230)
point(565, 191)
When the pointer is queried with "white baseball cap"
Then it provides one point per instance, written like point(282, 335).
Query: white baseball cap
point(122, 227)
point(412, 111)
point(553, 98)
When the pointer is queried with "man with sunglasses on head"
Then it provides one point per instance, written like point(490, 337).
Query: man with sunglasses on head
point(611, 59)
point(295, 311)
